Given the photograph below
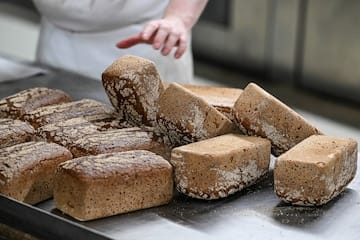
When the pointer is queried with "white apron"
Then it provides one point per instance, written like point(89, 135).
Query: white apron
point(80, 36)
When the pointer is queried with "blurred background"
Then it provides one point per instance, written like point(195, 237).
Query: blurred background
point(306, 53)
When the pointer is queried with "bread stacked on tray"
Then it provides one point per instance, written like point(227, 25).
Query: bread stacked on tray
point(99, 160)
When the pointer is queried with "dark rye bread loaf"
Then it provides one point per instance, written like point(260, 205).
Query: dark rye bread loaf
point(27, 170)
point(117, 141)
point(67, 132)
point(15, 106)
point(258, 113)
point(52, 114)
point(98, 186)
point(14, 132)
point(133, 86)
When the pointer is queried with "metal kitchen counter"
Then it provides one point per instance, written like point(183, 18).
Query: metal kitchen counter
point(254, 213)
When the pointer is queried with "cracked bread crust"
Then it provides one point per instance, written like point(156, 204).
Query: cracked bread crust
point(56, 113)
point(27, 170)
point(13, 132)
point(133, 86)
point(16, 105)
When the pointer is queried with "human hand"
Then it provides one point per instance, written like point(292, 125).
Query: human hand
point(164, 34)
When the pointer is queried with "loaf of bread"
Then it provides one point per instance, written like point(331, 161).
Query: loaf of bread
point(93, 187)
point(56, 113)
point(27, 170)
point(316, 170)
point(184, 118)
point(67, 132)
point(222, 98)
point(119, 140)
point(220, 166)
point(15, 106)
point(133, 86)
point(260, 114)
point(13, 132)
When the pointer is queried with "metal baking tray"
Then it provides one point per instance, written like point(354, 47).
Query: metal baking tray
point(254, 213)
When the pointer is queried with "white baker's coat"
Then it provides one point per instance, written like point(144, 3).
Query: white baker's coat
point(80, 36)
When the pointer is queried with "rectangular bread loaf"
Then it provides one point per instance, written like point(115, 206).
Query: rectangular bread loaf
point(220, 166)
point(27, 170)
point(260, 114)
point(316, 170)
point(119, 140)
point(93, 187)
point(16, 105)
point(67, 132)
point(52, 114)
point(13, 132)
point(184, 117)
point(133, 86)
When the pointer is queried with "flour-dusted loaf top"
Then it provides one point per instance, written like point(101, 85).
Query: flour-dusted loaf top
point(93, 187)
point(184, 117)
point(65, 133)
point(15, 106)
point(261, 114)
point(27, 170)
point(220, 166)
point(52, 114)
point(116, 141)
point(316, 170)
point(133, 86)
point(14, 132)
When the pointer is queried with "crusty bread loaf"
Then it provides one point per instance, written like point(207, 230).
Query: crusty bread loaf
point(261, 114)
point(27, 170)
point(15, 106)
point(316, 170)
point(14, 132)
point(67, 132)
point(184, 118)
point(52, 114)
point(220, 166)
point(107, 184)
point(222, 98)
point(119, 140)
point(133, 86)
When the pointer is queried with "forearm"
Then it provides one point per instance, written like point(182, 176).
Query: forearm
point(188, 11)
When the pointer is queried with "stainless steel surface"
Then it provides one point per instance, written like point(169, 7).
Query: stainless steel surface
point(254, 213)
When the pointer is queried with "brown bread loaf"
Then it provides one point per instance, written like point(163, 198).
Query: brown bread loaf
point(220, 166)
point(13, 132)
point(260, 114)
point(184, 117)
point(56, 113)
point(93, 187)
point(67, 132)
point(133, 86)
point(119, 140)
point(27, 170)
point(316, 170)
point(15, 106)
